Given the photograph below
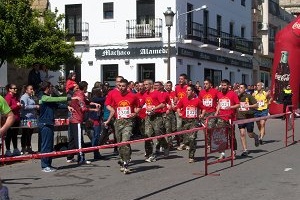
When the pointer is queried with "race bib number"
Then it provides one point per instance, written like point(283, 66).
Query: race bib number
point(123, 112)
point(224, 103)
point(191, 112)
point(244, 106)
point(208, 102)
point(261, 103)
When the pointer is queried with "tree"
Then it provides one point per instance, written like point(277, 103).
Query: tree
point(16, 25)
point(28, 38)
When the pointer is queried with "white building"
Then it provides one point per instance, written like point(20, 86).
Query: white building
point(129, 38)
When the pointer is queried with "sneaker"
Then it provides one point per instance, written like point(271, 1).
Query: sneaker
point(126, 169)
point(245, 153)
point(181, 147)
point(191, 160)
point(29, 150)
point(23, 151)
point(222, 156)
point(122, 168)
point(86, 162)
point(256, 140)
point(48, 169)
point(166, 152)
point(16, 152)
point(151, 159)
point(261, 141)
point(71, 160)
point(187, 148)
point(8, 153)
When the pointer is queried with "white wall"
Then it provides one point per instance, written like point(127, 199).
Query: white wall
point(3, 75)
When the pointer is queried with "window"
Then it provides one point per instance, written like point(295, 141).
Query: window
point(243, 32)
point(73, 21)
point(108, 10)
point(145, 11)
point(189, 19)
point(146, 71)
point(109, 73)
point(219, 25)
point(231, 77)
point(214, 75)
point(205, 25)
point(243, 2)
point(264, 77)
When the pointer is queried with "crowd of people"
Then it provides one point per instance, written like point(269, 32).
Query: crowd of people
point(130, 110)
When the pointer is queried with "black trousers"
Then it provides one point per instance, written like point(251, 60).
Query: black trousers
point(12, 136)
point(75, 140)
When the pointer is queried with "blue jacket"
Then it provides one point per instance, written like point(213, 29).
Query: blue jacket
point(48, 105)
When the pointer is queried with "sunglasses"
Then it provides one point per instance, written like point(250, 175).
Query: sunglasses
point(14, 88)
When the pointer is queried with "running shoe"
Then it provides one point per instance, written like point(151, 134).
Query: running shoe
point(222, 156)
point(150, 159)
point(245, 153)
point(48, 169)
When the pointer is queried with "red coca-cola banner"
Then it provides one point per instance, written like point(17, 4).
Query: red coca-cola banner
point(287, 40)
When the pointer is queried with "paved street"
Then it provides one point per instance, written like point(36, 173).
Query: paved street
point(270, 172)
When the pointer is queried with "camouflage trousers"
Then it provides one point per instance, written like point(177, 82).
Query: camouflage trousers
point(219, 123)
point(169, 124)
point(210, 124)
point(123, 132)
point(190, 138)
point(154, 126)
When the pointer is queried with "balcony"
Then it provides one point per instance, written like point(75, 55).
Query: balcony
point(141, 32)
point(211, 36)
point(80, 33)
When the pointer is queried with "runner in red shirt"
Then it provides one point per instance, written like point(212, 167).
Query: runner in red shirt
point(227, 105)
point(125, 105)
point(188, 108)
point(209, 100)
point(108, 101)
point(154, 103)
point(142, 114)
point(170, 114)
point(180, 92)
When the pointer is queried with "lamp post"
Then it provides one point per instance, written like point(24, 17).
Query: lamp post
point(169, 17)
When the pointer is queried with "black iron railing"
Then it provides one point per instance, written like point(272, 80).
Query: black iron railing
point(153, 29)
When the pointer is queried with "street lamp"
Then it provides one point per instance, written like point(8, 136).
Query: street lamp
point(169, 18)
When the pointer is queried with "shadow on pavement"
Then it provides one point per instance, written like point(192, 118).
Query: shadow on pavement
point(13, 181)
point(144, 168)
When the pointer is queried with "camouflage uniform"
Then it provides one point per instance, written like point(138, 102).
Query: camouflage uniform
point(211, 124)
point(123, 131)
point(169, 124)
point(224, 123)
point(154, 127)
point(189, 139)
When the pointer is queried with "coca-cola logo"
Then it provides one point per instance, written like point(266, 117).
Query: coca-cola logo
point(296, 28)
point(282, 77)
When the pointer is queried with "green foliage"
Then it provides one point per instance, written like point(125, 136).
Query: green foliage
point(28, 38)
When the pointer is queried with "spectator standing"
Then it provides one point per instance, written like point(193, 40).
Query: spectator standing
point(28, 112)
point(71, 82)
point(48, 105)
point(79, 106)
point(12, 134)
point(34, 78)
point(44, 73)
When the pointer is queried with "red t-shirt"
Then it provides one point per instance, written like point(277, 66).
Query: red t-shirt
point(172, 96)
point(180, 91)
point(153, 99)
point(142, 113)
point(189, 107)
point(167, 100)
point(209, 99)
point(124, 104)
point(225, 100)
point(110, 96)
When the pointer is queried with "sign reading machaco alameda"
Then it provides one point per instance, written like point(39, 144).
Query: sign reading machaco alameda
point(134, 53)
point(215, 58)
